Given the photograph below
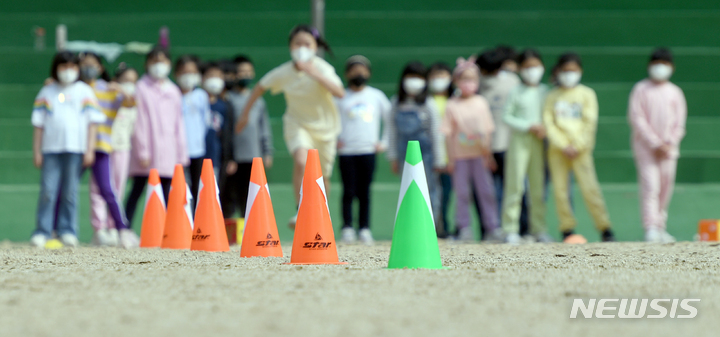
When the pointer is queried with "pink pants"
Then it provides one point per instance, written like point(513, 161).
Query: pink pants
point(120, 164)
point(656, 180)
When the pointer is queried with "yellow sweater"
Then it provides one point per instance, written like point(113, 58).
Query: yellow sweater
point(570, 116)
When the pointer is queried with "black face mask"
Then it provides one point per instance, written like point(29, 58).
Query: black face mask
point(229, 84)
point(358, 81)
point(243, 82)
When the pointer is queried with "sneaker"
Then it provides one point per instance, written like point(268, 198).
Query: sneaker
point(349, 235)
point(113, 237)
point(465, 234)
point(528, 239)
point(513, 239)
point(128, 239)
point(497, 235)
point(69, 240)
point(366, 237)
point(665, 237)
point(100, 238)
point(544, 238)
point(38, 240)
point(292, 222)
point(608, 236)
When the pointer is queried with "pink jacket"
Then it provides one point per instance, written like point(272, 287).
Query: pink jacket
point(159, 130)
point(657, 115)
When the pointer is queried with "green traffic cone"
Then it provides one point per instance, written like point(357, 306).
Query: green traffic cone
point(414, 241)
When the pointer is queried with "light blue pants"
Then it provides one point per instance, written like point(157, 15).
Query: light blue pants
point(60, 172)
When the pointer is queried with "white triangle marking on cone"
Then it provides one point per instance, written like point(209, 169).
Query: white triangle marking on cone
point(188, 202)
point(253, 191)
point(414, 173)
point(154, 189)
point(321, 182)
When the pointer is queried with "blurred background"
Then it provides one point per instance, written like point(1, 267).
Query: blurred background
point(614, 38)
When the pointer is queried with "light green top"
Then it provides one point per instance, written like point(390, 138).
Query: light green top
point(524, 107)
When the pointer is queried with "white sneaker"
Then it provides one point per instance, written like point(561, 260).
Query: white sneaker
point(544, 238)
point(128, 239)
point(528, 239)
point(113, 237)
point(496, 236)
point(100, 238)
point(69, 240)
point(292, 222)
point(653, 235)
point(366, 237)
point(348, 235)
point(466, 234)
point(513, 239)
point(38, 240)
point(665, 237)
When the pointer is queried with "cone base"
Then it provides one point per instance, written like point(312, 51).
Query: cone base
point(308, 263)
point(429, 268)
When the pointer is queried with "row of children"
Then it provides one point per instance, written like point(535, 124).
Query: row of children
point(121, 128)
point(487, 134)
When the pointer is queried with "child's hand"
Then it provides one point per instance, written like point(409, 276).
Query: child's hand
point(490, 163)
point(231, 168)
point(570, 152)
point(38, 159)
point(450, 168)
point(379, 148)
point(268, 161)
point(308, 67)
point(144, 163)
point(394, 167)
point(340, 144)
point(662, 152)
point(539, 131)
point(88, 158)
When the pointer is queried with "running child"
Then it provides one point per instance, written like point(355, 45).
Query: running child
point(311, 120)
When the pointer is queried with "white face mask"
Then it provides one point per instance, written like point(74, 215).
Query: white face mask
point(532, 75)
point(413, 85)
point(128, 88)
point(569, 79)
point(660, 72)
point(302, 54)
point(189, 81)
point(159, 71)
point(67, 76)
point(438, 85)
point(214, 85)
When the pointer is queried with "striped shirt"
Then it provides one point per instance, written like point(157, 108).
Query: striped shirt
point(109, 101)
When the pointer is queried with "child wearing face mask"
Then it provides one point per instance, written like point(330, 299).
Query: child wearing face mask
point(439, 81)
point(65, 117)
point(256, 140)
point(220, 109)
point(103, 195)
point(361, 111)
point(525, 157)
point(122, 130)
point(570, 116)
point(158, 140)
point(196, 115)
point(414, 116)
point(311, 120)
point(468, 128)
point(657, 113)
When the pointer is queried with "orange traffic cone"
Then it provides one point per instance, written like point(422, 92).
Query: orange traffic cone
point(261, 233)
point(179, 221)
point(209, 232)
point(314, 241)
point(153, 224)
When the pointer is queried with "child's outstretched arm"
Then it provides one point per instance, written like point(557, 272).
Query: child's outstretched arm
point(256, 93)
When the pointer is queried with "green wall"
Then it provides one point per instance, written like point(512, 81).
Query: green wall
point(613, 37)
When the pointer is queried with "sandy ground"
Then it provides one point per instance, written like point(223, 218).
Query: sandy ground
point(489, 290)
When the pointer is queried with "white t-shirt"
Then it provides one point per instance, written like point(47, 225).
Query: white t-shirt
point(360, 115)
point(64, 113)
point(122, 128)
point(309, 104)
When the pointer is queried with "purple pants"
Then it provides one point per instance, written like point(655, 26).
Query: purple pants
point(473, 171)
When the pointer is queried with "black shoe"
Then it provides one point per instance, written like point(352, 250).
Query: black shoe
point(565, 234)
point(608, 236)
